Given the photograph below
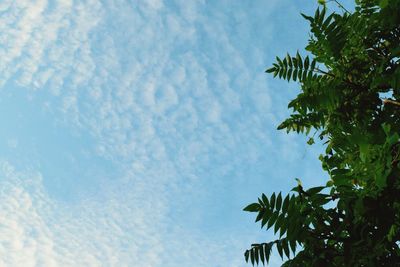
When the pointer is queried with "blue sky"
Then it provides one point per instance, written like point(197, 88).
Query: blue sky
point(134, 132)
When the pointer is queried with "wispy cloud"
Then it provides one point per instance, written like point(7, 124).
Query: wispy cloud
point(120, 230)
point(167, 92)
point(39, 232)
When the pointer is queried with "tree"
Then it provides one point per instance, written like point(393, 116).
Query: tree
point(350, 93)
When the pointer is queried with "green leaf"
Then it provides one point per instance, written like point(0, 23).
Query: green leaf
point(289, 74)
point(286, 248)
point(272, 219)
point(393, 139)
point(272, 201)
point(292, 244)
point(270, 70)
point(392, 232)
point(279, 248)
point(285, 64)
point(246, 255)
point(306, 63)
point(294, 74)
point(278, 202)
point(383, 3)
point(281, 72)
point(285, 204)
point(262, 255)
point(283, 225)
point(289, 60)
point(284, 73)
point(265, 218)
point(300, 75)
point(254, 207)
point(252, 256)
point(315, 190)
point(313, 64)
point(327, 22)
point(304, 77)
point(260, 215)
point(310, 76)
point(256, 254)
point(386, 128)
point(277, 224)
point(381, 180)
point(322, 16)
point(320, 199)
point(299, 60)
point(316, 15)
point(280, 63)
point(364, 148)
point(295, 63)
point(267, 251)
point(265, 199)
point(310, 19)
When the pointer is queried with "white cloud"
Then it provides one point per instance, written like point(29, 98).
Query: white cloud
point(164, 92)
point(120, 230)
point(37, 231)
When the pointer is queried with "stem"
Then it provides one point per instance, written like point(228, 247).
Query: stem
point(324, 72)
point(390, 101)
point(340, 6)
point(333, 76)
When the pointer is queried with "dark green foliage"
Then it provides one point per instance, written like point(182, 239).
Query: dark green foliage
point(354, 219)
point(293, 68)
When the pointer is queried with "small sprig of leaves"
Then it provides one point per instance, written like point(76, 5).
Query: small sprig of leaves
point(291, 217)
point(293, 68)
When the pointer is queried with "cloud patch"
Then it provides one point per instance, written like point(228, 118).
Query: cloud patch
point(164, 90)
point(37, 231)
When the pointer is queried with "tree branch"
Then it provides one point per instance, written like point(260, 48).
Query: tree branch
point(390, 101)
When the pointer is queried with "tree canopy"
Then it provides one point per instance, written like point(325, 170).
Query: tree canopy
point(349, 99)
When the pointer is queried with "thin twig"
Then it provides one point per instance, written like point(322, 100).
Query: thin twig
point(324, 72)
point(334, 76)
point(390, 101)
point(340, 6)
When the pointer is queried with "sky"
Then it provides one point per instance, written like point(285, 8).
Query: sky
point(133, 133)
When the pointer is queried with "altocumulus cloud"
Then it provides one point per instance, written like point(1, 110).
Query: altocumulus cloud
point(36, 232)
point(158, 87)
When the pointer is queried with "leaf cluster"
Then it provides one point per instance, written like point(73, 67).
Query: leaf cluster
point(354, 219)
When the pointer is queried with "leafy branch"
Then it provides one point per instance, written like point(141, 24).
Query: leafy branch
point(354, 219)
point(293, 68)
